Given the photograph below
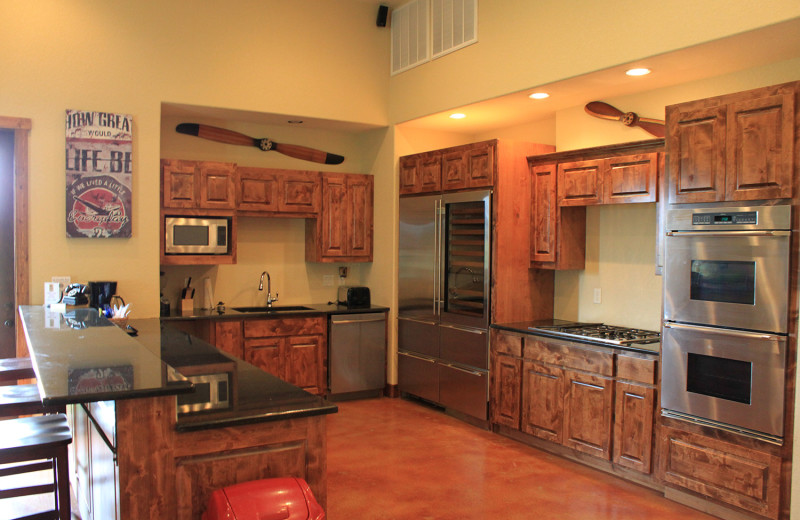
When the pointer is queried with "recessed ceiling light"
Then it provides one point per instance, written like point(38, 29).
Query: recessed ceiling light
point(539, 95)
point(295, 121)
point(457, 115)
point(637, 72)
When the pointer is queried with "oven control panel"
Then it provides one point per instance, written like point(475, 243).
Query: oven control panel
point(739, 218)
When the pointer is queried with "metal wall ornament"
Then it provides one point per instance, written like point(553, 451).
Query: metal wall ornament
point(99, 171)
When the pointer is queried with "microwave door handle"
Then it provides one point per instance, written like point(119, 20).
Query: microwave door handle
point(728, 234)
point(726, 332)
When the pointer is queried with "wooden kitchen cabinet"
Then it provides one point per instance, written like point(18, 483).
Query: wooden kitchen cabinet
point(543, 401)
point(292, 348)
point(197, 184)
point(343, 231)
point(635, 411)
point(558, 235)
point(277, 192)
point(588, 412)
point(613, 180)
point(733, 147)
point(228, 337)
point(450, 169)
point(725, 472)
point(506, 379)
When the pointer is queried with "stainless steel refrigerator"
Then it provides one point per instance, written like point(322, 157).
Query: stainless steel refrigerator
point(444, 307)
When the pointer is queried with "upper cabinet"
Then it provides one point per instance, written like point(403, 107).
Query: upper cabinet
point(450, 169)
point(197, 184)
point(343, 231)
point(733, 147)
point(563, 183)
point(271, 192)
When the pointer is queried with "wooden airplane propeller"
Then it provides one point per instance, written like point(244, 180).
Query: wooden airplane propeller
point(606, 111)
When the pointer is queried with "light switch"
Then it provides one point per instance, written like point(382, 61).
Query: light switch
point(597, 295)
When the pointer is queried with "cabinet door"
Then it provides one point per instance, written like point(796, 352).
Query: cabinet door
point(409, 174)
point(480, 166)
point(454, 170)
point(630, 178)
point(105, 478)
point(588, 410)
point(506, 394)
point(179, 184)
point(265, 353)
point(256, 189)
point(299, 192)
point(334, 215)
point(633, 426)
point(359, 213)
point(695, 144)
point(228, 337)
point(543, 401)
point(760, 148)
point(580, 183)
point(216, 185)
point(303, 362)
point(543, 213)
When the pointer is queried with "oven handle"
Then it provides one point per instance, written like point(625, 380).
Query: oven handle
point(726, 332)
point(728, 233)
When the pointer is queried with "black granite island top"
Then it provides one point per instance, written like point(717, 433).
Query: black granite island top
point(81, 357)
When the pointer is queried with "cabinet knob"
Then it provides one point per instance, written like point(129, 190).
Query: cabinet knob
point(9, 323)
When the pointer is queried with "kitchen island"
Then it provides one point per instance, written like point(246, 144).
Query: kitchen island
point(134, 456)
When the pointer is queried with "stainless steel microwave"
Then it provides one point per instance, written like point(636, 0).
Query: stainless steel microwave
point(196, 235)
point(212, 391)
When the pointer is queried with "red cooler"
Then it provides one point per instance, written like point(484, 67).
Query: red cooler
point(268, 499)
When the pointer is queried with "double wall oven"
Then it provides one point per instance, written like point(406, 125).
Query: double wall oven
point(726, 297)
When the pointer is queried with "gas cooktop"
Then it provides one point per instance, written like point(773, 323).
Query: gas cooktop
point(600, 333)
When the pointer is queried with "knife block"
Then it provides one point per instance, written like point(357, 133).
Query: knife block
point(187, 306)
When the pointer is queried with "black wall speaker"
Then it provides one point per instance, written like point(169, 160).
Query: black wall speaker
point(383, 12)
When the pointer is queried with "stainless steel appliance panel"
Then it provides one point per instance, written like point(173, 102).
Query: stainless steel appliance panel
point(418, 256)
point(420, 376)
point(357, 356)
point(464, 346)
point(418, 336)
point(727, 277)
point(727, 376)
point(464, 389)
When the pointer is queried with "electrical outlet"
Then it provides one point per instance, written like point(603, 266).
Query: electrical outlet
point(62, 281)
point(327, 280)
point(597, 295)
point(343, 272)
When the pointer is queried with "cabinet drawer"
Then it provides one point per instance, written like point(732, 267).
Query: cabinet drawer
point(284, 327)
point(731, 474)
point(641, 370)
point(568, 355)
point(464, 390)
point(503, 343)
point(465, 346)
point(418, 336)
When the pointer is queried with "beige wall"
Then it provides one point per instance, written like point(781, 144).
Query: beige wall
point(307, 58)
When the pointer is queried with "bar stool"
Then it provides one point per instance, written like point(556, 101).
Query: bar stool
point(29, 440)
point(14, 369)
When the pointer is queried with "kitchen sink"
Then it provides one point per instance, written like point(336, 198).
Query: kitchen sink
point(274, 308)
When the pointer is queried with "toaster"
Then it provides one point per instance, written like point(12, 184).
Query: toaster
point(353, 297)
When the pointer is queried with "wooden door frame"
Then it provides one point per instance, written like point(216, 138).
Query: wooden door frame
point(21, 128)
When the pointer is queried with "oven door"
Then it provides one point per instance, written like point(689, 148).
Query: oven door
point(733, 279)
point(727, 377)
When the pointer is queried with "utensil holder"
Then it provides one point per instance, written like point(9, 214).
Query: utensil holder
point(187, 306)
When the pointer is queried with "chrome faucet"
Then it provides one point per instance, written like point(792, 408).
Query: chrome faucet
point(270, 299)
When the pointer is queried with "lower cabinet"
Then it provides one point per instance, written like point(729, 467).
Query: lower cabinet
point(729, 473)
point(292, 348)
point(593, 400)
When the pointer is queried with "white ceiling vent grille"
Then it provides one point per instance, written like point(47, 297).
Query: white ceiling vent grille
point(410, 37)
point(454, 24)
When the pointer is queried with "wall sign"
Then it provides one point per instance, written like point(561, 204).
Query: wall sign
point(99, 169)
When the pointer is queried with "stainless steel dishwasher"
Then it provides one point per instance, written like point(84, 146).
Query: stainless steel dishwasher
point(356, 355)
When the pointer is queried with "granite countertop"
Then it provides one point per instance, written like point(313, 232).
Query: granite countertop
point(80, 357)
point(527, 327)
point(312, 308)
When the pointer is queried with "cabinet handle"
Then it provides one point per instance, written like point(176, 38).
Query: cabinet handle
point(417, 320)
point(724, 332)
point(463, 329)
point(724, 234)
point(467, 371)
point(420, 358)
point(371, 320)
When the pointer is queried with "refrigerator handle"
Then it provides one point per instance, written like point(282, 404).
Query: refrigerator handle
point(436, 255)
